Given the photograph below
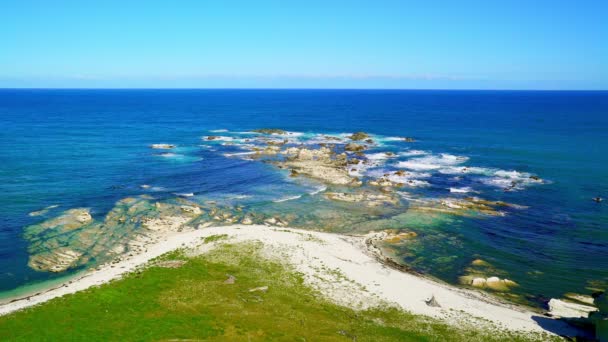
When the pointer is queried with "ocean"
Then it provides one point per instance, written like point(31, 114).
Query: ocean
point(539, 156)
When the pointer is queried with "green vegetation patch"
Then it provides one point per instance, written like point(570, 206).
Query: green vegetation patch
point(210, 297)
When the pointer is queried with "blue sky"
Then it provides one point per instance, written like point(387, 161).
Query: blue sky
point(489, 44)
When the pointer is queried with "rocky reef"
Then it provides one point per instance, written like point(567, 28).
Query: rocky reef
point(270, 131)
point(469, 206)
point(322, 164)
point(74, 238)
point(370, 199)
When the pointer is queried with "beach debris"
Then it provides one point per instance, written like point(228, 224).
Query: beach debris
point(432, 302)
point(259, 289)
point(231, 279)
point(163, 146)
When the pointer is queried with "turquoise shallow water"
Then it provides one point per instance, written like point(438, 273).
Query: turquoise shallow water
point(90, 148)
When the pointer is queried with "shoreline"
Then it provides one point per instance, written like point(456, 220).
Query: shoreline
point(364, 280)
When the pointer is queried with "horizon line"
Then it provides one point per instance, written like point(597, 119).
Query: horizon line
point(298, 88)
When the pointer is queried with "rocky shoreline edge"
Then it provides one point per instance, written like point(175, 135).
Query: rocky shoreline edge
point(367, 277)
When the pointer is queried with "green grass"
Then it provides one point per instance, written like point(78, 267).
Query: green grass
point(193, 303)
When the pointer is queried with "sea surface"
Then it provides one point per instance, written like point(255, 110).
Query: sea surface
point(63, 149)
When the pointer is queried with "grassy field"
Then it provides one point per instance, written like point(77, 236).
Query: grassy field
point(192, 302)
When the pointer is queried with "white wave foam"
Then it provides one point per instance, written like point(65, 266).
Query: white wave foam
point(432, 162)
point(184, 194)
point(511, 180)
point(240, 196)
point(218, 130)
point(462, 190)
point(217, 138)
point(324, 139)
point(454, 170)
point(318, 190)
point(169, 155)
point(379, 156)
point(237, 154)
point(411, 153)
point(285, 199)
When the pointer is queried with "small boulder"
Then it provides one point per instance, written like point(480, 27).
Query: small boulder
point(359, 136)
point(352, 147)
point(231, 279)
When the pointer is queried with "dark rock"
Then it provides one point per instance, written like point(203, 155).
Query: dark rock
point(359, 136)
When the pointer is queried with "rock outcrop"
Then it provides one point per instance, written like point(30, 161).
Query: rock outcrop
point(564, 309)
point(322, 164)
point(359, 136)
point(370, 199)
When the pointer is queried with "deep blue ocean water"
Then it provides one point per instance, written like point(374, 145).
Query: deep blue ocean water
point(90, 148)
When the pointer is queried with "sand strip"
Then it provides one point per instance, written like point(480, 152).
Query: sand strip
point(342, 267)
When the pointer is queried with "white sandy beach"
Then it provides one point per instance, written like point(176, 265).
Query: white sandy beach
point(342, 267)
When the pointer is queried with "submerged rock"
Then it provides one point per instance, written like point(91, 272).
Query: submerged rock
point(57, 260)
point(73, 238)
point(399, 237)
point(270, 131)
point(469, 206)
point(479, 262)
point(368, 198)
point(580, 298)
point(71, 219)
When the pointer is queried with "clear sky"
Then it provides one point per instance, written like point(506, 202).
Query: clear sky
point(489, 44)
